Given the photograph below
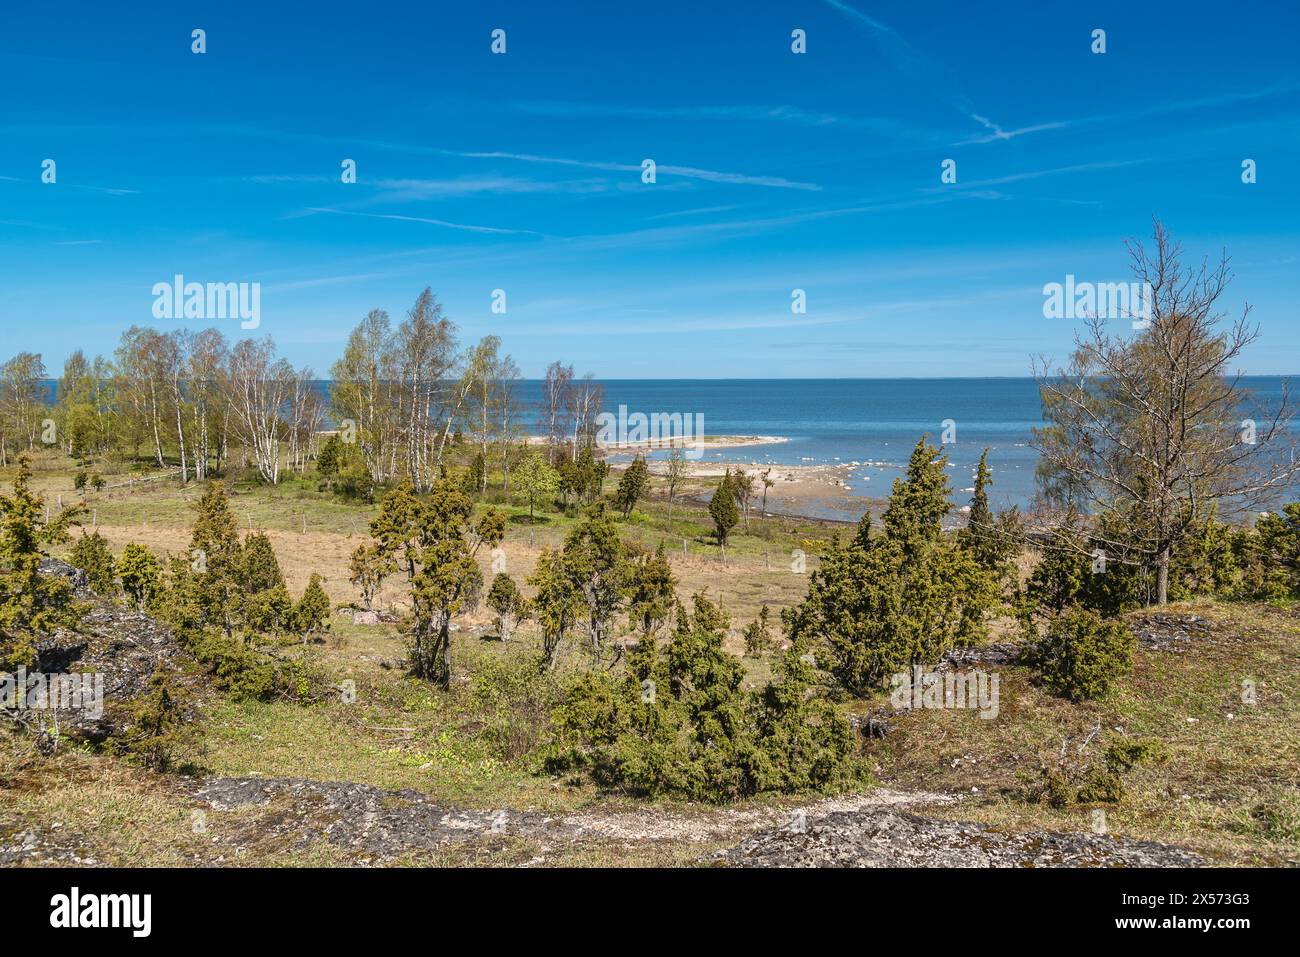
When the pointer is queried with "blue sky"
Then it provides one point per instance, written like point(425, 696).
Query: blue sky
point(521, 172)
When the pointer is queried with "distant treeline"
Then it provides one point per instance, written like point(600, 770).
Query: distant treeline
point(398, 397)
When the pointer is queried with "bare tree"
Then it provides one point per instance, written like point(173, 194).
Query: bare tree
point(427, 352)
point(556, 402)
point(206, 357)
point(363, 393)
point(509, 428)
point(1154, 433)
point(261, 389)
point(768, 482)
point(586, 396)
point(22, 399)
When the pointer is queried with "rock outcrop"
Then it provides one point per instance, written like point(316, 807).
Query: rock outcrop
point(890, 838)
point(122, 646)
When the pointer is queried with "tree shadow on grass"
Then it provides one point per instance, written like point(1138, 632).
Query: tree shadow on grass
point(525, 520)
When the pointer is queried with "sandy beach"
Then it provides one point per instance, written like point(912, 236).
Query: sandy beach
point(801, 490)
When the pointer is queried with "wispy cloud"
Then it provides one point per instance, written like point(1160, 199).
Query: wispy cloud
point(981, 185)
point(415, 188)
point(492, 230)
point(324, 281)
point(1156, 109)
point(674, 234)
point(687, 172)
point(918, 66)
point(757, 113)
point(1000, 134)
point(698, 211)
point(690, 172)
point(110, 190)
point(465, 186)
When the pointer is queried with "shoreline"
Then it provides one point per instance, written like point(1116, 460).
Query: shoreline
point(706, 442)
point(812, 492)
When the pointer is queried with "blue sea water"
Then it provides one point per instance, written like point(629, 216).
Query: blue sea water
point(874, 422)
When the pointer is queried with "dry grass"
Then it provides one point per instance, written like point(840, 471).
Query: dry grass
point(1227, 787)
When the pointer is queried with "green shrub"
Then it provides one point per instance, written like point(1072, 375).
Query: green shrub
point(508, 602)
point(31, 604)
point(248, 674)
point(1062, 784)
point(883, 603)
point(141, 574)
point(1081, 654)
point(92, 556)
point(678, 722)
point(758, 636)
point(514, 696)
point(161, 725)
point(312, 612)
point(1274, 556)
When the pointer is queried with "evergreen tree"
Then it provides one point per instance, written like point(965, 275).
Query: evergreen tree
point(991, 540)
point(808, 744)
point(722, 509)
point(508, 602)
point(650, 591)
point(757, 635)
point(369, 566)
point(1075, 568)
point(632, 486)
point(1277, 545)
point(92, 556)
point(397, 527)
point(594, 565)
point(448, 580)
point(679, 722)
point(31, 604)
point(557, 604)
point(330, 459)
point(264, 605)
point(885, 603)
point(215, 560)
point(141, 574)
point(259, 568)
point(1081, 655)
point(311, 613)
point(476, 477)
